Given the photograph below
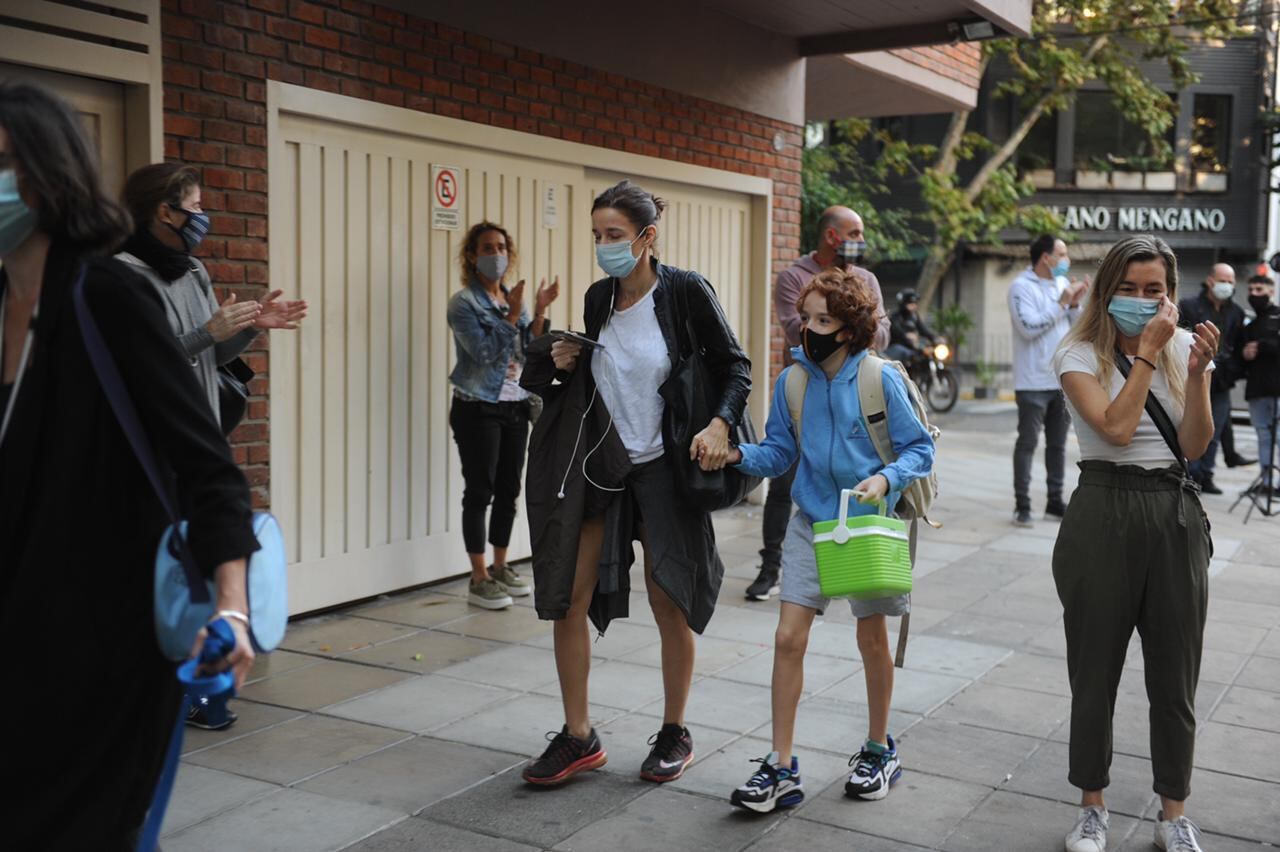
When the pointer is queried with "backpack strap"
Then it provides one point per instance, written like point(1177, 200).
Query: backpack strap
point(871, 399)
point(795, 383)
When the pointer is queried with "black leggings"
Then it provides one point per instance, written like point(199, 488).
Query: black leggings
point(491, 438)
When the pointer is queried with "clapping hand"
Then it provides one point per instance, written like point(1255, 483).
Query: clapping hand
point(232, 318)
point(283, 314)
point(1203, 347)
point(545, 296)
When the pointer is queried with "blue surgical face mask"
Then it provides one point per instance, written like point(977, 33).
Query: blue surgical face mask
point(616, 259)
point(17, 220)
point(1132, 314)
point(492, 266)
point(1061, 267)
point(193, 230)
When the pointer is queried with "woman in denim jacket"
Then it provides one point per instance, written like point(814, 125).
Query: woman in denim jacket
point(490, 413)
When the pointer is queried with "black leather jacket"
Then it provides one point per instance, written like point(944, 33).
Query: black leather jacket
point(722, 353)
point(904, 322)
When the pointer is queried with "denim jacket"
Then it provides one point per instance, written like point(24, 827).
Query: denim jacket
point(484, 342)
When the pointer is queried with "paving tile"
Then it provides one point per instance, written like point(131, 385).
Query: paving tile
point(1228, 604)
point(286, 821)
point(710, 654)
point(334, 635)
point(619, 684)
point(626, 739)
point(519, 726)
point(921, 809)
point(436, 649)
point(799, 833)
point(1031, 671)
point(1003, 708)
point(417, 610)
point(723, 704)
point(1044, 774)
point(252, 717)
point(717, 774)
point(325, 683)
point(517, 624)
point(820, 672)
point(1270, 646)
point(1260, 673)
point(539, 816)
point(200, 793)
point(743, 625)
point(914, 691)
point(1236, 638)
point(988, 630)
point(621, 639)
point(515, 667)
point(1227, 748)
point(1051, 642)
point(1036, 823)
point(952, 656)
point(416, 835)
point(1037, 584)
point(665, 819)
point(295, 750)
point(834, 638)
point(1019, 542)
point(963, 752)
point(836, 726)
point(1245, 808)
point(1141, 841)
point(278, 662)
point(411, 775)
point(1022, 608)
point(420, 703)
point(1251, 708)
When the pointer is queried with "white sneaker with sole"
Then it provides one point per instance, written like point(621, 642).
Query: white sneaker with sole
point(1090, 833)
point(1177, 835)
point(488, 595)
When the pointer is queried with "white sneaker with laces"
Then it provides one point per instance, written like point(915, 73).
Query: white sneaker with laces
point(1177, 835)
point(1090, 833)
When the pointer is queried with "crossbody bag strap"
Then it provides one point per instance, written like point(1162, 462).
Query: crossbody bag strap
point(1164, 425)
point(104, 365)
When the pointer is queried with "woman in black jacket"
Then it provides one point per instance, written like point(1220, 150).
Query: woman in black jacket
point(79, 523)
point(636, 314)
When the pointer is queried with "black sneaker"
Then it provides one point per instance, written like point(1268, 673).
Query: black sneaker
point(672, 752)
point(772, 787)
point(1208, 486)
point(1055, 511)
point(565, 757)
point(198, 717)
point(765, 585)
point(1022, 518)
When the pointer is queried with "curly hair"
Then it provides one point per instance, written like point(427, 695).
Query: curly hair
point(849, 300)
point(471, 245)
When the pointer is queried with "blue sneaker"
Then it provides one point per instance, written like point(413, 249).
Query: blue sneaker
point(873, 772)
point(771, 787)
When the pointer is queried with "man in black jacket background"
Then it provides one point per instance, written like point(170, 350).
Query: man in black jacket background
point(1259, 358)
point(1214, 304)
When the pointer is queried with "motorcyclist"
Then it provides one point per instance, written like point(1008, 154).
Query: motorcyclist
point(907, 331)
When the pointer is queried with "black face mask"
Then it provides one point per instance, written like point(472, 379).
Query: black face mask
point(1259, 304)
point(820, 347)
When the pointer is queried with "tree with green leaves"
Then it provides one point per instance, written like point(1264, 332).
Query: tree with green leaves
point(1073, 42)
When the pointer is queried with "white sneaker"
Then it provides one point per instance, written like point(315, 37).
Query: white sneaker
point(1090, 833)
point(1177, 835)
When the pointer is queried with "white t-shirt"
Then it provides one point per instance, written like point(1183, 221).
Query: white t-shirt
point(628, 373)
point(1147, 449)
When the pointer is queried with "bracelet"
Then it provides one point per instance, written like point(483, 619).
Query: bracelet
point(1145, 361)
point(231, 613)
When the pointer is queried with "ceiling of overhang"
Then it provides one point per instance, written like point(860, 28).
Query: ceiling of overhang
point(800, 18)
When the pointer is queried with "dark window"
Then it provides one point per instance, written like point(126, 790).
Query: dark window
point(1039, 149)
point(1211, 134)
point(1107, 141)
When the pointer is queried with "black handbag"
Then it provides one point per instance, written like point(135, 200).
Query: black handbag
point(692, 394)
point(233, 393)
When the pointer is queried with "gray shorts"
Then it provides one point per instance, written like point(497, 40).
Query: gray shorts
point(800, 576)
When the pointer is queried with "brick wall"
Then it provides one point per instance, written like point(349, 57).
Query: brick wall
point(959, 62)
point(218, 54)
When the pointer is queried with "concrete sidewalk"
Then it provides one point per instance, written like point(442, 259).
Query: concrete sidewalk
point(402, 724)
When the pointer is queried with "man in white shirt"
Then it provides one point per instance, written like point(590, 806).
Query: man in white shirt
point(1042, 305)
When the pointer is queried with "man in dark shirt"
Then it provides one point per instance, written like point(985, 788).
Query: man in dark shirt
point(1259, 357)
point(1214, 304)
point(907, 331)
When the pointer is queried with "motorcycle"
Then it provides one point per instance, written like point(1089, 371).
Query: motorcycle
point(928, 369)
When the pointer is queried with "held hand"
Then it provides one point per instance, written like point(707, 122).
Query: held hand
point(1250, 350)
point(546, 295)
point(872, 489)
point(565, 354)
point(710, 447)
point(232, 318)
point(1159, 331)
point(239, 661)
point(1203, 347)
point(515, 303)
point(282, 314)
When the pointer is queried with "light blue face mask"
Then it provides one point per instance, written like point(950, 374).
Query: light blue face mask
point(616, 259)
point(1132, 314)
point(17, 220)
point(1061, 267)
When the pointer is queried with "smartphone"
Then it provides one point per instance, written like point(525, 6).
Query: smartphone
point(574, 337)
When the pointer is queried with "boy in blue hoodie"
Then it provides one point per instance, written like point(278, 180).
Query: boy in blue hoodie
point(838, 321)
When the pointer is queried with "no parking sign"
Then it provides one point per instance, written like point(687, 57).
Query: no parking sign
point(446, 198)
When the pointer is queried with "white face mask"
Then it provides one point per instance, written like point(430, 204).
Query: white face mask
point(1223, 290)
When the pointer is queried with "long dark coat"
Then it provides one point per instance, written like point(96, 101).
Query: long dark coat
point(90, 701)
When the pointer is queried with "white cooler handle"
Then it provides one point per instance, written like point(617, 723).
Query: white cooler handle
point(841, 534)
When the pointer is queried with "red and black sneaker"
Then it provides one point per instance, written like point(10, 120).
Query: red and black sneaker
point(565, 757)
point(672, 753)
